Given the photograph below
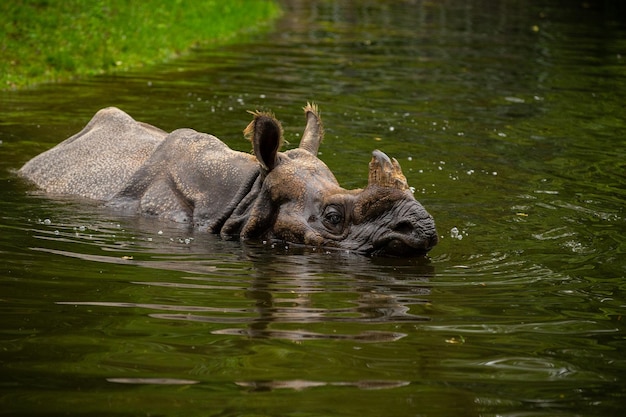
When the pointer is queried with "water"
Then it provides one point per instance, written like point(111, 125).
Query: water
point(507, 118)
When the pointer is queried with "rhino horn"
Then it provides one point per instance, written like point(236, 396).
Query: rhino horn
point(314, 130)
point(385, 172)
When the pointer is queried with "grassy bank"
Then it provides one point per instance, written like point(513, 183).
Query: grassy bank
point(51, 40)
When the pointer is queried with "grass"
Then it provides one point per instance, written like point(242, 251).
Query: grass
point(55, 40)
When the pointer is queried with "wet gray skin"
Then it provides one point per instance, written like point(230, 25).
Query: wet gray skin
point(193, 177)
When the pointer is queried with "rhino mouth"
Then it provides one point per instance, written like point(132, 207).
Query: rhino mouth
point(398, 244)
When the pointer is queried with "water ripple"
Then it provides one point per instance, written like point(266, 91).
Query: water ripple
point(565, 327)
point(152, 381)
point(300, 384)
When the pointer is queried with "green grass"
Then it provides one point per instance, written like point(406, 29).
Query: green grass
point(53, 40)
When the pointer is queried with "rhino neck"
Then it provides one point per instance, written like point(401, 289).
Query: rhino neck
point(236, 214)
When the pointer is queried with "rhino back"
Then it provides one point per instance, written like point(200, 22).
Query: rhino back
point(191, 177)
point(98, 161)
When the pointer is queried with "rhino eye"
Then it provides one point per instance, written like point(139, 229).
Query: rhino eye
point(333, 218)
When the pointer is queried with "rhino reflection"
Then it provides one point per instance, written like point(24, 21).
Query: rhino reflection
point(296, 289)
point(284, 288)
point(384, 294)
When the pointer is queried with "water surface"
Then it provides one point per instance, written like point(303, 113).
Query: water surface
point(507, 118)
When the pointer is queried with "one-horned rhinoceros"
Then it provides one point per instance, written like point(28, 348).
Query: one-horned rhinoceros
point(187, 176)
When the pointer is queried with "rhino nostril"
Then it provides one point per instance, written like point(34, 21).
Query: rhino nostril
point(405, 227)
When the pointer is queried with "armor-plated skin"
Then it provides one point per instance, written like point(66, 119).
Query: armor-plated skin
point(193, 177)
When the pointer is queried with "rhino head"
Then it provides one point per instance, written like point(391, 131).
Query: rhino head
point(300, 201)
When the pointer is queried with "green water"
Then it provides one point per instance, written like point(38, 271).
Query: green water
point(507, 118)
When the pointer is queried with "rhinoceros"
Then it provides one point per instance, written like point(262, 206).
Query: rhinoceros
point(193, 177)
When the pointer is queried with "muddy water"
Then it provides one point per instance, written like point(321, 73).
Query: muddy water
point(508, 120)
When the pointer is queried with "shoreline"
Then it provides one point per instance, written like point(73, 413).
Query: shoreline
point(61, 41)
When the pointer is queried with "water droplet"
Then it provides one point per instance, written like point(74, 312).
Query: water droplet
point(455, 234)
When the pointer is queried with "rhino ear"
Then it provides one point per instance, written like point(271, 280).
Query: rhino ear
point(385, 172)
point(314, 130)
point(266, 135)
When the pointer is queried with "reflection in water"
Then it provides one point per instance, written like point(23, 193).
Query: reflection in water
point(286, 288)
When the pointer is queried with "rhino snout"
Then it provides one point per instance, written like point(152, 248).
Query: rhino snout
point(407, 237)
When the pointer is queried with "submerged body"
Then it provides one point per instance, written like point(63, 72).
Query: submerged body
point(187, 176)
